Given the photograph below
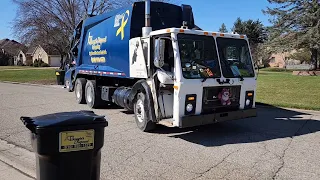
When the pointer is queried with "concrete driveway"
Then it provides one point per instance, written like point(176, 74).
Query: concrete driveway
point(278, 144)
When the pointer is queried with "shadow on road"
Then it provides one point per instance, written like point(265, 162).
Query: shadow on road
point(271, 123)
point(109, 106)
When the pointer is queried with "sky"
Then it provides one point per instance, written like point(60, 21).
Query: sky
point(209, 14)
point(7, 14)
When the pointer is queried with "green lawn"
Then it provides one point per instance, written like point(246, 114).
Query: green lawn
point(38, 76)
point(285, 90)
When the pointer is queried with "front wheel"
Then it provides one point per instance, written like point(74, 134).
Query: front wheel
point(140, 113)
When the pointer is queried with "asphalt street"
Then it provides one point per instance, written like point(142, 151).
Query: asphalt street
point(278, 144)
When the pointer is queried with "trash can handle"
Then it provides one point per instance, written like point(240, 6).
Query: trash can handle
point(99, 118)
point(28, 122)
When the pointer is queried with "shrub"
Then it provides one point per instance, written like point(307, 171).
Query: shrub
point(36, 63)
point(40, 63)
point(19, 63)
point(44, 65)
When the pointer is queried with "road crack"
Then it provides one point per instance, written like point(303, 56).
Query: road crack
point(288, 146)
point(216, 165)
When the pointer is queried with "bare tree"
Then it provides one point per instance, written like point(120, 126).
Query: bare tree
point(51, 22)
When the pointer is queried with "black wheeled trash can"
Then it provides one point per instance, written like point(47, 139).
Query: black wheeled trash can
point(67, 145)
point(60, 76)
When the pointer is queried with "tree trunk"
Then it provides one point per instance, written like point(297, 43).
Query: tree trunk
point(314, 58)
point(319, 59)
point(61, 61)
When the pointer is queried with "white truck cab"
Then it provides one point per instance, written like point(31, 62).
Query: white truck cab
point(196, 77)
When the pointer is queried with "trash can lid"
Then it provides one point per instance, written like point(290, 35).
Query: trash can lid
point(63, 119)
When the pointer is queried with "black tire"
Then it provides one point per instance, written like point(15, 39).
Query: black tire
point(92, 94)
point(79, 89)
point(140, 113)
point(70, 89)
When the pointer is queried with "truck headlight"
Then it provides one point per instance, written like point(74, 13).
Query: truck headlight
point(249, 99)
point(189, 107)
point(190, 104)
point(248, 102)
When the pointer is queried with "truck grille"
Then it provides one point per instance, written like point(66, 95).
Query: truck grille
point(211, 103)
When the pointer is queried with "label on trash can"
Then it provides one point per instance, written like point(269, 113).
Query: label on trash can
point(57, 73)
point(76, 140)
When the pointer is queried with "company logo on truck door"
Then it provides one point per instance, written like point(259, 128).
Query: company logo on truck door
point(121, 20)
point(96, 48)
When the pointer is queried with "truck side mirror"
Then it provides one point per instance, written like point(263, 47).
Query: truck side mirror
point(159, 47)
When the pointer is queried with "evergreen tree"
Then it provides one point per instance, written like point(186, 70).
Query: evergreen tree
point(296, 23)
point(223, 28)
point(302, 55)
point(255, 32)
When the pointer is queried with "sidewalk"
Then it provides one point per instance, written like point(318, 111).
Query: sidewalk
point(16, 163)
point(9, 173)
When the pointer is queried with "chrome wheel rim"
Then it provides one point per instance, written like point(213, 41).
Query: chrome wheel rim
point(89, 94)
point(140, 111)
point(78, 94)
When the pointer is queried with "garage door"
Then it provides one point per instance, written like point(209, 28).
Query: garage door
point(54, 61)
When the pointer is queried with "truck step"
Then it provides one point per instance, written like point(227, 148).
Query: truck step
point(166, 122)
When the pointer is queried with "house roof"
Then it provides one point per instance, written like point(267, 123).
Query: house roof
point(48, 50)
point(2, 41)
point(31, 50)
point(51, 51)
point(12, 47)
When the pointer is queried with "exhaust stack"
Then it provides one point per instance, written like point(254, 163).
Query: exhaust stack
point(147, 29)
point(148, 17)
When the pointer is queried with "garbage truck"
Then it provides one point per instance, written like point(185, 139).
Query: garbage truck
point(151, 58)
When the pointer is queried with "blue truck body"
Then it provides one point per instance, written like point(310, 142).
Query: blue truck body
point(103, 48)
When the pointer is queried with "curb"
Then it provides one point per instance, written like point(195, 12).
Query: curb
point(18, 158)
point(262, 105)
point(30, 84)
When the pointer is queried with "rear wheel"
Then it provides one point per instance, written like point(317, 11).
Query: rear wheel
point(79, 90)
point(140, 113)
point(92, 94)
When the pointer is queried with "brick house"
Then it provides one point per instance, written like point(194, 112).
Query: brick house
point(281, 60)
point(12, 52)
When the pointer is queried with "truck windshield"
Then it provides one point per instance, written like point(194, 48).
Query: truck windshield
point(198, 55)
point(235, 58)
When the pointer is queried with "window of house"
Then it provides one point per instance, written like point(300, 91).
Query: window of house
point(273, 60)
point(39, 57)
